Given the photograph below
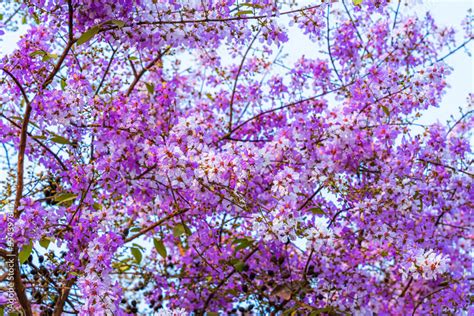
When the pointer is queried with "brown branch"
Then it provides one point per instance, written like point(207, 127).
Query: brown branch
point(329, 46)
point(18, 283)
point(144, 70)
point(105, 72)
point(454, 50)
point(310, 198)
point(151, 227)
point(396, 14)
point(70, 21)
point(18, 84)
point(357, 32)
point(305, 271)
point(56, 68)
point(204, 259)
point(70, 42)
point(20, 289)
point(144, 173)
point(4, 276)
point(427, 296)
point(133, 67)
point(237, 79)
point(445, 166)
point(58, 308)
point(459, 121)
point(63, 166)
point(81, 201)
point(281, 108)
point(211, 20)
point(406, 287)
point(4, 253)
point(226, 278)
point(333, 219)
point(13, 15)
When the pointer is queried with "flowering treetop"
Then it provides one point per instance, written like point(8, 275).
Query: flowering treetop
point(148, 170)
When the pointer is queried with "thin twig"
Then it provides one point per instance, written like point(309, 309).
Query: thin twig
point(225, 279)
point(153, 226)
point(144, 70)
point(237, 79)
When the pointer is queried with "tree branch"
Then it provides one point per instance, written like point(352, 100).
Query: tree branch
point(212, 20)
point(144, 70)
point(58, 308)
point(226, 278)
point(237, 79)
point(63, 166)
point(151, 227)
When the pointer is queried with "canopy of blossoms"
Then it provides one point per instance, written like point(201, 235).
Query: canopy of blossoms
point(164, 156)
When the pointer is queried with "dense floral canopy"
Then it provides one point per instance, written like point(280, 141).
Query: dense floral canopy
point(162, 155)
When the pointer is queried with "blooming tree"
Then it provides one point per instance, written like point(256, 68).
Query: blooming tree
point(162, 155)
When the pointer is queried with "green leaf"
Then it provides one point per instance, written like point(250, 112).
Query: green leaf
point(60, 140)
point(44, 242)
point(63, 84)
point(65, 197)
point(160, 247)
point(290, 311)
point(386, 110)
point(88, 35)
point(239, 266)
point(242, 243)
point(36, 18)
point(322, 311)
point(150, 87)
point(121, 266)
point(244, 12)
point(97, 206)
point(187, 230)
point(181, 229)
point(38, 52)
point(357, 2)
point(39, 137)
point(316, 211)
point(252, 5)
point(135, 229)
point(119, 23)
point(25, 253)
point(139, 246)
point(48, 56)
point(2, 309)
point(137, 254)
point(212, 314)
point(210, 97)
point(444, 283)
point(124, 268)
point(132, 58)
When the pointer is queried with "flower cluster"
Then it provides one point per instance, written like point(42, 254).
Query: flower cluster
point(427, 264)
